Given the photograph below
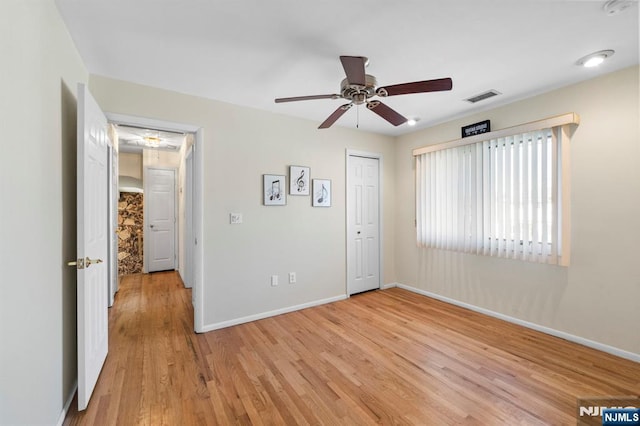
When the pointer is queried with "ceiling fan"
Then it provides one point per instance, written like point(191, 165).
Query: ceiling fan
point(358, 88)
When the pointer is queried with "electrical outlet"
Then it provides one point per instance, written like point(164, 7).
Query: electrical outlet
point(292, 277)
point(274, 280)
point(235, 218)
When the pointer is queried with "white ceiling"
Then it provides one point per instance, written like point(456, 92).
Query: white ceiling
point(248, 52)
point(135, 139)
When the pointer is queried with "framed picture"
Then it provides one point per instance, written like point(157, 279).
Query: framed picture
point(274, 188)
point(321, 193)
point(299, 180)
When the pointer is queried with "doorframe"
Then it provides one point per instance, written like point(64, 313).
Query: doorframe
point(113, 220)
point(197, 272)
point(145, 218)
point(376, 156)
point(188, 218)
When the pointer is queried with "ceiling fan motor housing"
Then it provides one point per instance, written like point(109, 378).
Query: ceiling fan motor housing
point(359, 94)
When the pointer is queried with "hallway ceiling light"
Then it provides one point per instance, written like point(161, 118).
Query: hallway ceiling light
point(152, 141)
point(134, 139)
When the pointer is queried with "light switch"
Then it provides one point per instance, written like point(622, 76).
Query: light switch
point(235, 218)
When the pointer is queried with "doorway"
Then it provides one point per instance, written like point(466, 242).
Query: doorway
point(160, 215)
point(363, 222)
point(188, 169)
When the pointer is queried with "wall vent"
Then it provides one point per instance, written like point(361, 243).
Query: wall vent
point(482, 96)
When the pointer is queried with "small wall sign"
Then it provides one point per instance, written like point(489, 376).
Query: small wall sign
point(476, 128)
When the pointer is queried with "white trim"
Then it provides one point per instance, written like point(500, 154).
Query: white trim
point(198, 229)
point(388, 286)
point(379, 157)
point(198, 194)
point(559, 120)
point(273, 313)
point(132, 120)
point(67, 404)
point(550, 331)
point(187, 274)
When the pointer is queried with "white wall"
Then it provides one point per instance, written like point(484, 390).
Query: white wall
point(241, 144)
point(188, 142)
point(598, 296)
point(40, 69)
point(130, 164)
point(157, 158)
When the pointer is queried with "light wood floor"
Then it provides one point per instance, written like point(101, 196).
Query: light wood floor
point(390, 357)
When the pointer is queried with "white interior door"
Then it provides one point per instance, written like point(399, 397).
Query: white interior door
point(160, 202)
point(363, 224)
point(93, 243)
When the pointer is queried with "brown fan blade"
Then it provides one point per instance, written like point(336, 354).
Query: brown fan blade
point(306, 98)
point(416, 87)
point(334, 117)
point(386, 112)
point(354, 69)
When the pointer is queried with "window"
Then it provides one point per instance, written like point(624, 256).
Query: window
point(501, 194)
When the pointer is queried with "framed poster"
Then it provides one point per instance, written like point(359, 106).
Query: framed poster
point(299, 180)
point(274, 189)
point(321, 193)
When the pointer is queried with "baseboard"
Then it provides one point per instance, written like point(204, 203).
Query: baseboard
point(561, 334)
point(273, 313)
point(67, 404)
point(184, 283)
point(388, 286)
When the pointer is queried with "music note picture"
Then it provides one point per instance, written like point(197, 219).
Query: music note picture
point(274, 190)
point(299, 180)
point(321, 193)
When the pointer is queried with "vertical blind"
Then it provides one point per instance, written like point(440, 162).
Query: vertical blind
point(497, 197)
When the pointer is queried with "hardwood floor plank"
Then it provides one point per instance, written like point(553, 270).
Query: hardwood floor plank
point(384, 357)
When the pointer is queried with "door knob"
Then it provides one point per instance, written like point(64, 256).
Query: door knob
point(79, 264)
point(358, 232)
point(150, 226)
point(83, 263)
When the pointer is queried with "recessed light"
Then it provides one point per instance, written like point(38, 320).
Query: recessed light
point(412, 121)
point(595, 59)
point(614, 7)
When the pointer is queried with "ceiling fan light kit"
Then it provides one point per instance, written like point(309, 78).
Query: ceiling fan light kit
point(358, 88)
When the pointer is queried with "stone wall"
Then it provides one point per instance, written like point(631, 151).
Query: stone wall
point(130, 233)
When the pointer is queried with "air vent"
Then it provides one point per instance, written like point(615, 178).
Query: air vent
point(482, 96)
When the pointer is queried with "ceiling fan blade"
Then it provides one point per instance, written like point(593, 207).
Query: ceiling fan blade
point(334, 117)
point(386, 112)
point(416, 87)
point(354, 69)
point(306, 98)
